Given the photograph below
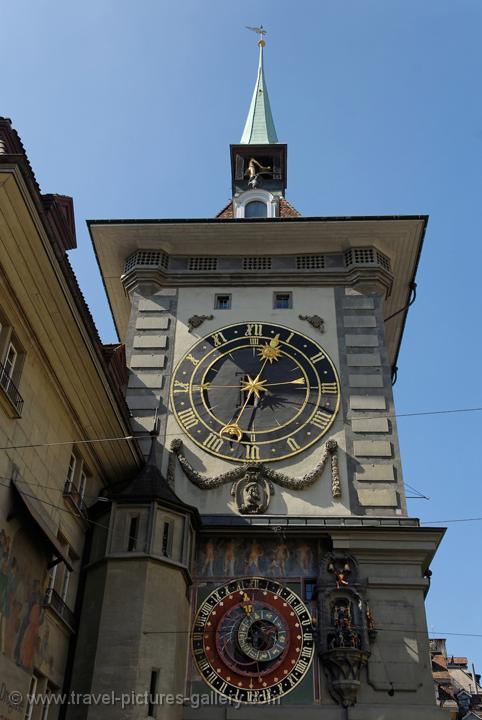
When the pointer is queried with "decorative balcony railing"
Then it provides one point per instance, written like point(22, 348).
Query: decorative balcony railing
point(10, 390)
point(54, 601)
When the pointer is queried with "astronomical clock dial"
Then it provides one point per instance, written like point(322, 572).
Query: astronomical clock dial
point(255, 392)
point(253, 640)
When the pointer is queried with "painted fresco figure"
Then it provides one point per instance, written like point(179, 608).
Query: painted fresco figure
point(208, 566)
point(305, 558)
point(229, 558)
point(282, 555)
point(4, 553)
point(28, 633)
point(274, 568)
point(255, 553)
point(13, 608)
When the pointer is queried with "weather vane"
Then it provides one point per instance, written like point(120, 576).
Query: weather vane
point(261, 32)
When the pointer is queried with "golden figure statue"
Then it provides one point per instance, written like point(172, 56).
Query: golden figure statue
point(254, 170)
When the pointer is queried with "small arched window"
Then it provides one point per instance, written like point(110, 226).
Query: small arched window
point(256, 209)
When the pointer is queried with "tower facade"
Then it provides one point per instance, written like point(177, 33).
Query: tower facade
point(265, 342)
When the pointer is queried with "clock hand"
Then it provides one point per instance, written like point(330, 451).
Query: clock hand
point(247, 383)
point(252, 386)
point(271, 351)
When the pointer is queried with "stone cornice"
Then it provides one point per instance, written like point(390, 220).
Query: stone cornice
point(378, 279)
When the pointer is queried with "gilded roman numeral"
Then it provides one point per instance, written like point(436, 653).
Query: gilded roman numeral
point(301, 666)
point(218, 339)
point(192, 359)
point(252, 452)
point(316, 358)
point(213, 442)
point(293, 444)
point(254, 329)
point(254, 341)
point(330, 387)
point(321, 419)
point(188, 418)
point(291, 680)
point(289, 338)
point(180, 387)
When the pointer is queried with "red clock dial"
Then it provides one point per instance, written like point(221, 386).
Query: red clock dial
point(253, 640)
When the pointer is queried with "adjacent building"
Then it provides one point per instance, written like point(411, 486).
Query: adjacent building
point(457, 685)
point(61, 390)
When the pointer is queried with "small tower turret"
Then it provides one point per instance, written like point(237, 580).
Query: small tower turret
point(258, 162)
point(136, 602)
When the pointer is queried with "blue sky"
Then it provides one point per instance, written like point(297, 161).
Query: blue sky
point(129, 107)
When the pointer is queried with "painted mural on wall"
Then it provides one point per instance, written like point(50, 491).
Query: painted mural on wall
point(23, 576)
point(277, 557)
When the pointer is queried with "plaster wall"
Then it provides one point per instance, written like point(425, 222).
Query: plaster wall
point(365, 430)
point(34, 637)
point(135, 621)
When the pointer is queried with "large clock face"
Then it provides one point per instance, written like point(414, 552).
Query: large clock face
point(253, 640)
point(255, 392)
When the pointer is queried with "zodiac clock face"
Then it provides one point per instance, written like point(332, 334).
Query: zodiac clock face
point(252, 640)
point(255, 392)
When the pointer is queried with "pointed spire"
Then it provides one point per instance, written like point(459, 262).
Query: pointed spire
point(259, 128)
point(149, 483)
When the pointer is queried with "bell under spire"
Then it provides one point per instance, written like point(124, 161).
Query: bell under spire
point(259, 128)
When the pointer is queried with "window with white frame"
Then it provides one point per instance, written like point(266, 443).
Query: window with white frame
point(11, 353)
point(9, 365)
point(11, 362)
point(82, 484)
point(49, 690)
point(32, 690)
point(69, 479)
point(60, 583)
point(76, 482)
point(255, 203)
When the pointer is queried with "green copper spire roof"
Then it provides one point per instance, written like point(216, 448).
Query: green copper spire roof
point(259, 128)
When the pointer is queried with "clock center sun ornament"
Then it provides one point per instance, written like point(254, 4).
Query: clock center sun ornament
point(255, 392)
point(253, 640)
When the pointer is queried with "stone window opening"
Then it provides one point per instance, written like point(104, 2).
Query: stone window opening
point(283, 301)
point(222, 302)
point(133, 537)
point(153, 689)
point(167, 533)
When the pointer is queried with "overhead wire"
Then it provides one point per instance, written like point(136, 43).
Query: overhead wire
point(188, 632)
point(148, 435)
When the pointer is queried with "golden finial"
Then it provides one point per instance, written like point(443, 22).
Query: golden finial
point(261, 32)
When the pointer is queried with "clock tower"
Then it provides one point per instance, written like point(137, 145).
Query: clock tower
point(265, 343)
